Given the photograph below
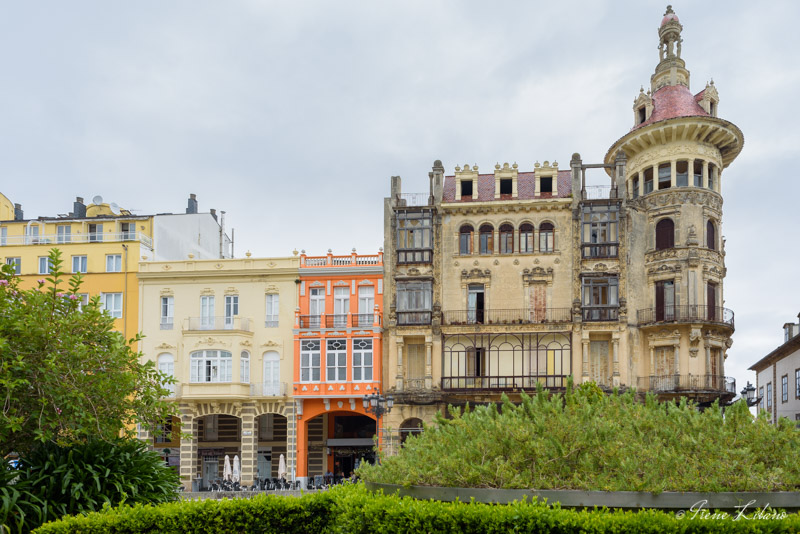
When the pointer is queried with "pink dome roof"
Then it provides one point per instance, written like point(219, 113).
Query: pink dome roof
point(669, 17)
point(673, 101)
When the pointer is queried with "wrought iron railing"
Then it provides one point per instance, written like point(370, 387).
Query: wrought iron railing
point(310, 321)
point(687, 383)
point(689, 313)
point(503, 383)
point(362, 320)
point(336, 321)
point(407, 318)
point(413, 199)
point(518, 316)
point(599, 192)
point(90, 237)
point(218, 323)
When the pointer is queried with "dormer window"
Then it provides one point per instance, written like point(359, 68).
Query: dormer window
point(506, 186)
point(466, 188)
point(546, 184)
point(712, 108)
point(642, 114)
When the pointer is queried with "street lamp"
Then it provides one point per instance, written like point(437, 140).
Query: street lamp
point(749, 395)
point(377, 404)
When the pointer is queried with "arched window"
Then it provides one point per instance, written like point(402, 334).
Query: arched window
point(546, 237)
point(487, 239)
point(272, 373)
point(526, 238)
point(506, 239)
point(665, 234)
point(166, 364)
point(211, 366)
point(244, 367)
point(465, 240)
point(711, 236)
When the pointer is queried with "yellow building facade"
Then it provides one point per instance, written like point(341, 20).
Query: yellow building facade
point(224, 330)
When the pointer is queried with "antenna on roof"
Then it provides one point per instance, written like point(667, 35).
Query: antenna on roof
point(97, 199)
point(114, 208)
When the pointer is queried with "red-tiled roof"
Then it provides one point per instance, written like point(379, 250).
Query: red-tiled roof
point(526, 187)
point(673, 101)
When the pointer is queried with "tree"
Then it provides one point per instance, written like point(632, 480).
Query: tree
point(65, 373)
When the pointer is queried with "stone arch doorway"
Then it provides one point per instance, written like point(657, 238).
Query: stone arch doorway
point(410, 427)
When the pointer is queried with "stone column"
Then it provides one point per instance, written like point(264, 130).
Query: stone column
point(188, 468)
point(615, 357)
point(677, 351)
point(249, 444)
point(673, 170)
point(705, 175)
point(428, 366)
point(585, 373)
point(399, 377)
point(708, 358)
point(641, 184)
point(291, 439)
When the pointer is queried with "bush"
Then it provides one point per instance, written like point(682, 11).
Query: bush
point(352, 509)
point(587, 440)
point(53, 481)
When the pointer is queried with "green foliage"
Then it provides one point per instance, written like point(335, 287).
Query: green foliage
point(65, 374)
point(587, 440)
point(54, 481)
point(352, 509)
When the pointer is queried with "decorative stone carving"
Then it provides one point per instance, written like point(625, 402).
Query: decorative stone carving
point(164, 346)
point(475, 273)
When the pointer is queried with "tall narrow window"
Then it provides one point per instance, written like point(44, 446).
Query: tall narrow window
point(3, 236)
point(682, 173)
point(641, 114)
point(272, 369)
point(475, 304)
point(769, 397)
point(635, 187)
point(128, 231)
point(526, 238)
point(665, 300)
point(785, 388)
point(336, 360)
point(414, 236)
point(712, 175)
point(273, 310)
point(112, 303)
point(486, 239)
point(648, 180)
point(166, 364)
point(95, 232)
point(79, 264)
point(366, 306)
point(465, 240)
point(309, 360)
point(698, 173)
point(207, 312)
point(546, 237)
point(711, 301)
point(362, 359)
point(167, 312)
point(665, 234)
point(316, 306)
point(63, 233)
point(711, 236)
point(32, 236)
point(341, 306)
point(506, 239)
point(244, 367)
point(664, 176)
point(466, 189)
point(797, 383)
point(231, 310)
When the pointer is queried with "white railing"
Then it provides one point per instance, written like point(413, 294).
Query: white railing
point(92, 237)
point(273, 389)
point(414, 199)
point(368, 260)
point(316, 262)
point(341, 260)
point(218, 323)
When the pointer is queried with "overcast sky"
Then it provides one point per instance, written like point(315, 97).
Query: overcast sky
point(292, 116)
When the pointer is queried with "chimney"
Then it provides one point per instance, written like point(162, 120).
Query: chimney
point(79, 208)
point(18, 215)
point(192, 206)
point(214, 213)
point(790, 330)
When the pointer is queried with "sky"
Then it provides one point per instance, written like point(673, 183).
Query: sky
point(293, 116)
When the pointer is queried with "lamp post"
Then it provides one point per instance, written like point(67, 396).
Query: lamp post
point(377, 404)
point(749, 395)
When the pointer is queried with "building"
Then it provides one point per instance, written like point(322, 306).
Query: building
point(608, 272)
point(778, 377)
point(223, 329)
point(105, 243)
point(338, 342)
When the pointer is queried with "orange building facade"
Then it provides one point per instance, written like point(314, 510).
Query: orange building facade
point(338, 341)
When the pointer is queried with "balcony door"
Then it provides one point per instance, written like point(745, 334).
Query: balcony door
point(598, 354)
point(415, 366)
point(316, 305)
point(538, 300)
point(476, 366)
point(665, 300)
point(207, 312)
point(272, 374)
point(475, 303)
point(711, 301)
point(341, 306)
point(231, 310)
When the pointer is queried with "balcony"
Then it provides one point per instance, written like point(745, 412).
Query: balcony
point(341, 261)
point(413, 318)
point(273, 389)
point(507, 317)
point(600, 313)
point(600, 250)
point(503, 383)
point(210, 390)
point(687, 384)
point(92, 237)
point(241, 324)
point(599, 192)
point(692, 313)
point(414, 199)
point(356, 320)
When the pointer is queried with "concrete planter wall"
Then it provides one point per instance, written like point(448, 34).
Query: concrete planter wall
point(787, 500)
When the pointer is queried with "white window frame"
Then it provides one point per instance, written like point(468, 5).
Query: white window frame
point(310, 360)
point(45, 267)
point(15, 262)
point(63, 233)
point(362, 359)
point(82, 264)
point(3, 236)
point(84, 300)
point(273, 303)
point(128, 231)
point(341, 306)
point(32, 235)
point(366, 300)
point(166, 364)
point(211, 366)
point(336, 360)
point(113, 263)
point(167, 312)
point(231, 310)
point(207, 312)
point(244, 367)
point(112, 303)
point(97, 235)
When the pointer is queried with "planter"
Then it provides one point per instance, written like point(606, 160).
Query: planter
point(668, 500)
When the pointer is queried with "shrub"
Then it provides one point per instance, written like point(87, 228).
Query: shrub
point(587, 440)
point(53, 481)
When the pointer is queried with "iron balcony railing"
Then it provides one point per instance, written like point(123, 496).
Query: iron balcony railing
point(218, 323)
point(409, 318)
point(600, 313)
point(414, 199)
point(519, 316)
point(358, 320)
point(310, 321)
point(361, 320)
point(599, 192)
point(270, 389)
point(686, 383)
point(336, 321)
point(91, 237)
point(690, 313)
point(503, 383)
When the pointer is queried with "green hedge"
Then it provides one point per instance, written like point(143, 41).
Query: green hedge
point(352, 509)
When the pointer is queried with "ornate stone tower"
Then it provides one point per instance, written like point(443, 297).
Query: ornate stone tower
point(678, 327)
